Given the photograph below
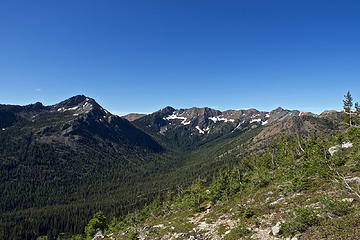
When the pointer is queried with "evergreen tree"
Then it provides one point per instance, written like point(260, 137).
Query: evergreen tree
point(235, 180)
point(197, 195)
point(348, 105)
point(97, 223)
point(357, 114)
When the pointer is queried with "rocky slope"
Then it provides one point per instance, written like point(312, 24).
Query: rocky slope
point(75, 120)
point(285, 194)
point(133, 116)
point(203, 125)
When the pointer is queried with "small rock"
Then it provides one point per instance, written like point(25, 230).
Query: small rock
point(227, 232)
point(98, 235)
point(202, 226)
point(350, 200)
point(250, 200)
point(159, 226)
point(276, 229)
point(127, 231)
point(172, 227)
point(354, 179)
point(277, 201)
point(347, 145)
point(335, 148)
point(296, 237)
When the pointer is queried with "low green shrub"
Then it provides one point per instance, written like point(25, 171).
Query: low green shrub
point(237, 232)
point(246, 212)
point(336, 207)
point(304, 218)
point(133, 236)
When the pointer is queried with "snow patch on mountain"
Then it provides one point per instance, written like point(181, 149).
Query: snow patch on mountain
point(62, 109)
point(199, 129)
point(202, 131)
point(84, 108)
point(238, 126)
point(255, 120)
point(220, 118)
point(174, 116)
point(185, 123)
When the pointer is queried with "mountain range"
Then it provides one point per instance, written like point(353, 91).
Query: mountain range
point(77, 156)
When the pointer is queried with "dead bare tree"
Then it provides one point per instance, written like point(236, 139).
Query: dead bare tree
point(339, 178)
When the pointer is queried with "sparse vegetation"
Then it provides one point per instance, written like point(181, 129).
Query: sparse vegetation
point(303, 219)
point(246, 203)
point(226, 190)
point(238, 232)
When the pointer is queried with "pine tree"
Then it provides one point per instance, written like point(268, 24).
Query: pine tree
point(348, 105)
point(197, 195)
point(357, 114)
point(234, 180)
point(97, 223)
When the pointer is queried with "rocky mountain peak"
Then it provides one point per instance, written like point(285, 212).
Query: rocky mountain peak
point(72, 101)
point(36, 107)
point(280, 113)
point(166, 110)
point(80, 105)
point(277, 110)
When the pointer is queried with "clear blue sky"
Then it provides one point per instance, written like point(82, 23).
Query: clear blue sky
point(140, 56)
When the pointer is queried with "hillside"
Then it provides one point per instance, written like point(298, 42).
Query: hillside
point(133, 116)
point(290, 192)
point(77, 156)
point(69, 155)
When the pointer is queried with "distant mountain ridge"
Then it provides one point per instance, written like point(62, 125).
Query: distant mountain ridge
point(81, 118)
point(204, 117)
point(205, 124)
